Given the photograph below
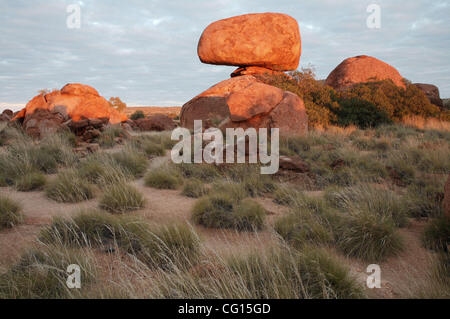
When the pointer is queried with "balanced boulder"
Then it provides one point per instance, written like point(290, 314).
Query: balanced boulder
point(432, 93)
point(268, 40)
point(362, 69)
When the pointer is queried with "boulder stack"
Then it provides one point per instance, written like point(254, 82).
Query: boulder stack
point(257, 44)
point(46, 113)
point(362, 69)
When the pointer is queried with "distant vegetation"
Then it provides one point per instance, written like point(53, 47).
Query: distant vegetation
point(137, 115)
point(117, 103)
point(365, 105)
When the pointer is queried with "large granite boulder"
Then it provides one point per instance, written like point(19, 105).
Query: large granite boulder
point(362, 69)
point(76, 101)
point(269, 40)
point(432, 93)
point(245, 102)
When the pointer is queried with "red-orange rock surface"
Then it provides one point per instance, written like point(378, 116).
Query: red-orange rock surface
point(269, 40)
point(362, 69)
point(432, 93)
point(245, 102)
point(78, 101)
point(253, 70)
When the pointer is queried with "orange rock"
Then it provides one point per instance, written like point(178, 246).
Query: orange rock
point(255, 99)
point(269, 40)
point(79, 101)
point(362, 69)
point(253, 70)
point(244, 102)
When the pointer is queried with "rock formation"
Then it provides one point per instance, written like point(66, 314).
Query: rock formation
point(432, 93)
point(157, 122)
point(258, 44)
point(268, 40)
point(362, 69)
point(75, 102)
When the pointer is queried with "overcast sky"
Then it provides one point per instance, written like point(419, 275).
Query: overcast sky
point(145, 51)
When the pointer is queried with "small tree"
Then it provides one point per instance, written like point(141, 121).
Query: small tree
point(137, 115)
point(117, 103)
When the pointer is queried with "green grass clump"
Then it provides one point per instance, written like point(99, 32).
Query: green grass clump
point(368, 237)
point(121, 198)
point(42, 274)
point(424, 197)
point(235, 190)
point(162, 247)
point(10, 213)
point(281, 274)
point(370, 200)
point(108, 137)
point(302, 227)
point(204, 172)
point(436, 235)
point(194, 189)
point(30, 182)
point(162, 178)
point(223, 211)
point(131, 161)
point(69, 187)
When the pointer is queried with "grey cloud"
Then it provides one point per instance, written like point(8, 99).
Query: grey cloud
point(145, 51)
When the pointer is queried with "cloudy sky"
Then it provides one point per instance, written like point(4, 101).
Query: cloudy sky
point(144, 51)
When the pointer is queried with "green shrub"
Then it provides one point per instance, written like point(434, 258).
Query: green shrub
point(43, 274)
point(137, 115)
point(30, 182)
point(161, 247)
point(102, 170)
point(69, 187)
point(120, 198)
point(361, 113)
point(303, 227)
point(162, 178)
point(369, 237)
point(194, 189)
point(10, 213)
point(223, 211)
point(107, 138)
point(437, 234)
point(131, 161)
point(204, 172)
point(311, 273)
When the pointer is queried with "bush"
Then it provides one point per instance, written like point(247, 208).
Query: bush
point(194, 189)
point(102, 170)
point(131, 161)
point(30, 182)
point(368, 237)
point(43, 274)
point(161, 247)
point(204, 172)
point(311, 273)
point(107, 138)
point(222, 211)
point(10, 213)
point(361, 113)
point(120, 198)
point(303, 227)
point(162, 178)
point(69, 187)
point(436, 235)
point(137, 115)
